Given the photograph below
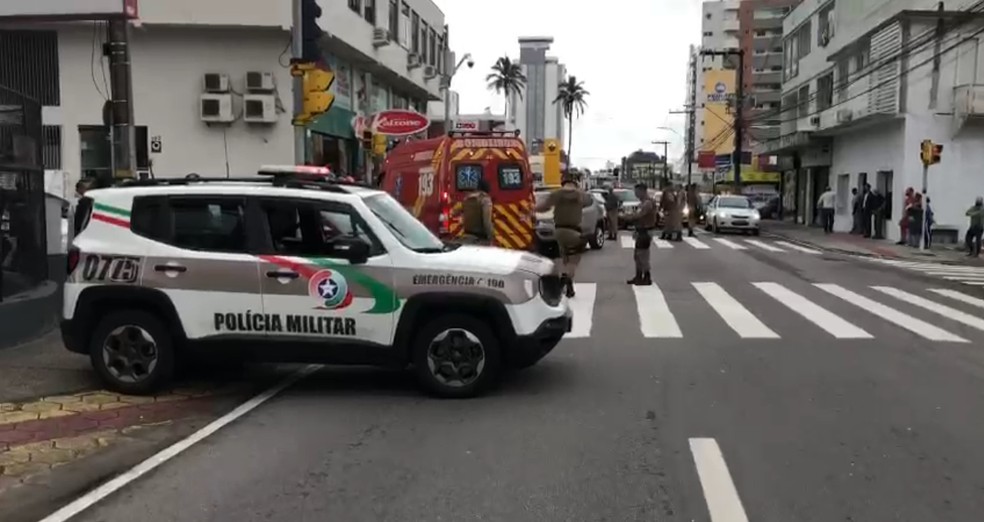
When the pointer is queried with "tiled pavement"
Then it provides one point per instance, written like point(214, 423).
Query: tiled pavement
point(39, 435)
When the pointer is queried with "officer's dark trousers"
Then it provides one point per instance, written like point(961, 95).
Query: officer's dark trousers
point(643, 241)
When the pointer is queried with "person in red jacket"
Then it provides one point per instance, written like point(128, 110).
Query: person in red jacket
point(904, 221)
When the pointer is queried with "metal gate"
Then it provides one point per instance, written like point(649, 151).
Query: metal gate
point(23, 242)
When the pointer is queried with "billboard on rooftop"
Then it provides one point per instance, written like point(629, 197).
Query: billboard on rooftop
point(67, 9)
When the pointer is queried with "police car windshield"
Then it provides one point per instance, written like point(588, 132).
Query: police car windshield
point(407, 229)
point(626, 196)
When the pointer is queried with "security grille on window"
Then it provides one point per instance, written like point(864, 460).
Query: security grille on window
point(370, 11)
point(405, 25)
point(415, 33)
point(432, 51)
point(394, 20)
point(423, 42)
point(355, 5)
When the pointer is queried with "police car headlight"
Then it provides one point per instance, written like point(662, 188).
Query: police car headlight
point(551, 289)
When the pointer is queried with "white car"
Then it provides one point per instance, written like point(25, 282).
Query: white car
point(286, 268)
point(732, 212)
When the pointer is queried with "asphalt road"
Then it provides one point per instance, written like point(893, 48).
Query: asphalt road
point(731, 406)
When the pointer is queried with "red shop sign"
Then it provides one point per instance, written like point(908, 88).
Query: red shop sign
point(399, 122)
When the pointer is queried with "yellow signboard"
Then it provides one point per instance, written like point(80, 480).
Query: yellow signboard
point(551, 162)
point(715, 127)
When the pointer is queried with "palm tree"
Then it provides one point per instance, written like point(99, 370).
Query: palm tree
point(506, 78)
point(571, 97)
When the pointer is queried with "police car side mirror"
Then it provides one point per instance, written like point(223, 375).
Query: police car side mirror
point(352, 249)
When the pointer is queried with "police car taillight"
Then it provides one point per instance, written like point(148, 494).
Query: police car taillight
point(73, 260)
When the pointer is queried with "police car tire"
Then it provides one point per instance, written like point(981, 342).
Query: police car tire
point(164, 371)
point(490, 343)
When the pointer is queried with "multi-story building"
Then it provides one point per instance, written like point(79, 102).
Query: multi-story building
point(211, 81)
point(533, 112)
point(865, 82)
point(761, 41)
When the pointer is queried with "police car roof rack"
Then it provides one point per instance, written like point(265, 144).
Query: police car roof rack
point(483, 134)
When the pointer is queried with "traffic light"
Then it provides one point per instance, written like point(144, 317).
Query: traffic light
point(930, 152)
point(317, 99)
point(367, 140)
point(379, 143)
point(311, 32)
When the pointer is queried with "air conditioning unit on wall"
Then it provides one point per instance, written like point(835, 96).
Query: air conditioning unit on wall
point(215, 82)
point(259, 108)
point(430, 72)
point(413, 61)
point(216, 108)
point(380, 37)
point(257, 81)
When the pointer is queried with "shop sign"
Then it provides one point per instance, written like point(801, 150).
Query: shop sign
point(398, 122)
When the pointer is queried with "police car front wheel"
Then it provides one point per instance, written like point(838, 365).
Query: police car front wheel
point(132, 352)
point(456, 357)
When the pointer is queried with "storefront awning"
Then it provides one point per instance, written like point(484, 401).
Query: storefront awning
point(336, 122)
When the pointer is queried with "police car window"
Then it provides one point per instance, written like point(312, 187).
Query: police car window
point(338, 223)
point(467, 176)
point(510, 177)
point(208, 224)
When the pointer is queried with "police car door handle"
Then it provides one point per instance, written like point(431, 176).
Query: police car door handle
point(170, 268)
point(275, 274)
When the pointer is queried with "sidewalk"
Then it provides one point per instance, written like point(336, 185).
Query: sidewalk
point(859, 246)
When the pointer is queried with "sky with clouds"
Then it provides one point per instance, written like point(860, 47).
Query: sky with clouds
point(630, 54)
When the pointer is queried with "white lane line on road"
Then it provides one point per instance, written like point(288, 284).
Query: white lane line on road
point(763, 246)
point(799, 248)
point(626, 241)
point(583, 306)
point(743, 322)
point(959, 296)
point(108, 488)
point(730, 244)
point(916, 326)
point(723, 502)
point(696, 243)
point(932, 306)
point(833, 324)
point(655, 317)
point(662, 243)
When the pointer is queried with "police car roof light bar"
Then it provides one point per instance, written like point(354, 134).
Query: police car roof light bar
point(485, 134)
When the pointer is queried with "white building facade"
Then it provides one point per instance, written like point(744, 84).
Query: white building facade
point(865, 82)
point(533, 112)
point(385, 54)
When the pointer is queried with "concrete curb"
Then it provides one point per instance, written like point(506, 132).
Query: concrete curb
point(810, 244)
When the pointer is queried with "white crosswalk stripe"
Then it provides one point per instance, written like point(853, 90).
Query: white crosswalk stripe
point(798, 248)
point(968, 275)
point(626, 241)
point(655, 317)
point(658, 311)
point(696, 243)
point(764, 246)
point(583, 306)
point(813, 312)
point(662, 243)
point(743, 322)
point(916, 326)
point(730, 244)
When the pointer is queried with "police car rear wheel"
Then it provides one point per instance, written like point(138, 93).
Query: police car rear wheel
point(132, 352)
point(456, 357)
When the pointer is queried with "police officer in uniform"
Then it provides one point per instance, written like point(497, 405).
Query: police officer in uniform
point(644, 220)
point(477, 222)
point(568, 203)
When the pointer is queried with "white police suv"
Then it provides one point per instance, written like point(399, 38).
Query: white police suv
point(289, 267)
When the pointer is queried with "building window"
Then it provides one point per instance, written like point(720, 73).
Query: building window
point(394, 20)
point(423, 42)
point(370, 11)
point(843, 79)
point(29, 64)
point(803, 40)
point(355, 5)
point(415, 33)
point(405, 25)
point(440, 54)
point(708, 16)
point(804, 101)
point(825, 91)
point(825, 27)
point(708, 34)
point(432, 58)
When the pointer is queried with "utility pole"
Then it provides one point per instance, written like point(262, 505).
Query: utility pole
point(122, 133)
point(297, 51)
point(446, 84)
point(666, 176)
point(739, 119)
point(691, 112)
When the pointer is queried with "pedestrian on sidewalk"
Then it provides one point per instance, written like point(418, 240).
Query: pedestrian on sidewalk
point(904, 220)
point(826, 205)
point(914, 218)
point(929, 221)
point(976, 230)
point(876, 213)
point(856, 213)
point(612, 203)
point(867, 210)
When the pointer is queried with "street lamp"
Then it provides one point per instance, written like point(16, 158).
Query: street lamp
point(665, 144)
point(446, 81)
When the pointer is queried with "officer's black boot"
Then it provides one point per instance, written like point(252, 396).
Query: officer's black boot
point(569, 282)
point(639, 280)
point(647, 278)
